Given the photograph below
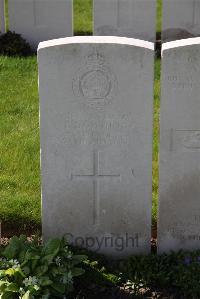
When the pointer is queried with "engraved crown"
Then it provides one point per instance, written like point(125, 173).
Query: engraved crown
point(95, 58)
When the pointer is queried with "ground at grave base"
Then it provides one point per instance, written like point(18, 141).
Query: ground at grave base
point(106, 279)
point(123, 291)
point(110, 283)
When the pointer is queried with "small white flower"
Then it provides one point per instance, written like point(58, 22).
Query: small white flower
point(14, 264)
point(30, 281)
point(14, 261)
point(58, 261)
point(22, 291)
point(26, 282)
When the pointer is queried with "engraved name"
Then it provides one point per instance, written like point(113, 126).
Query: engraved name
point(185, 140)
point(179, 82)
point(115, 129)
point(182, 229)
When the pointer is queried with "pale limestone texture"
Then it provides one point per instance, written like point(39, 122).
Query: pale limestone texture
point(2, 17)
point(96, 98)
point(179, 199)
point(129, 18)
point(181, 19)
point(40, 20)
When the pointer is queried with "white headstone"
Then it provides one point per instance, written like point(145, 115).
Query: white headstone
point(179, 206)
point(40, 20)
point(129, 18)
point(2, 17)
point(96, 96)
point(181, 19)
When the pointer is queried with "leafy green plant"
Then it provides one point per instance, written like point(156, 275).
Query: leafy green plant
point(12, 44)
point(29, 270)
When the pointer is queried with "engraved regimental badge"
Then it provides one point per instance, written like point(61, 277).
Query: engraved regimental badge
point(94, 82)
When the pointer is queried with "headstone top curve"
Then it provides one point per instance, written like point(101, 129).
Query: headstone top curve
point(180, 43)
point(97, 40)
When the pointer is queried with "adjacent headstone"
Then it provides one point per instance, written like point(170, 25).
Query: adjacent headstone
point(40, 20)
point(179, 206)
point(181, 19)
point(2, 17)
point(96, 97)
point(129, 18)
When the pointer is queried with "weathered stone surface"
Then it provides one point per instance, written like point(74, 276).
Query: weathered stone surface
point(181, 19)
point(179, 206)
point(96, 97)
point(2, 17)
point(129, 18)
point(40, 20)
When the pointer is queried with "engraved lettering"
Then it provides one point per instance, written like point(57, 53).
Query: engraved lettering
point(185, 140)
point(180, 82)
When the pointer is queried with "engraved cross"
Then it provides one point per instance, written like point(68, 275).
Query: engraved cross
point(95, 177)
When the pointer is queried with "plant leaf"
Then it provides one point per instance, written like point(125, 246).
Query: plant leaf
point(77, 272)
point(27, 295)
point(45, 281)
point(59, 287)
point(52, 247)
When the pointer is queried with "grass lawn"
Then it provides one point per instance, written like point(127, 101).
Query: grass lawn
point(19, 133)
point(19, 142)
